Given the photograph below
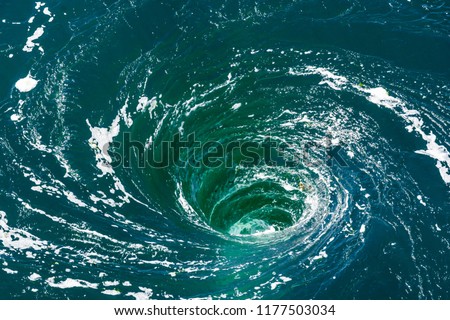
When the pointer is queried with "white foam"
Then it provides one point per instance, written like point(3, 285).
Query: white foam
point(47, 12)
point(275, 284)
point(146, 294)
point(444, 172)
point(286, 186)
point(437, 152)
point(16, 117)
point(335, 141)
point(39, 5)
point(36, 35)
point(111, 283)
point(100, 140)
point(321, 255)
point(262, 176)
point(256, 227)
point(143, 103)
point(125, 115)
point(71, 283)
point(292, 122)
point(381, 97)
point(153, 105)
point(111, 292)
point(236, 106)
point(26, 84)
point(183, 202)
point(332, 80)
point(17, 239)
point(34, 277)
point(362, 229)
point(72, 198)
point(285, 279)
point(9, 271)
point(419, 197)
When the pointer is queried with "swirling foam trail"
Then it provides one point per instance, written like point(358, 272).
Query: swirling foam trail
point(373, 225)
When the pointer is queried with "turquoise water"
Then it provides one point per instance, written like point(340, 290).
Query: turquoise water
point(365, 82)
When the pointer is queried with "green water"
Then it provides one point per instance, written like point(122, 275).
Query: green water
point(356, 91)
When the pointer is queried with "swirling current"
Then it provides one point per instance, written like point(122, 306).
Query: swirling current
point(364, 214)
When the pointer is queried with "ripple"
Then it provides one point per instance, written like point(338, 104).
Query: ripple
point(354, 127)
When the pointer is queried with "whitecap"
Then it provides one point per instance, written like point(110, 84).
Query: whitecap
point(26, 84)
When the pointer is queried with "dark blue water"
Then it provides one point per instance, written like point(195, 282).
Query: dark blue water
point(357, 90)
